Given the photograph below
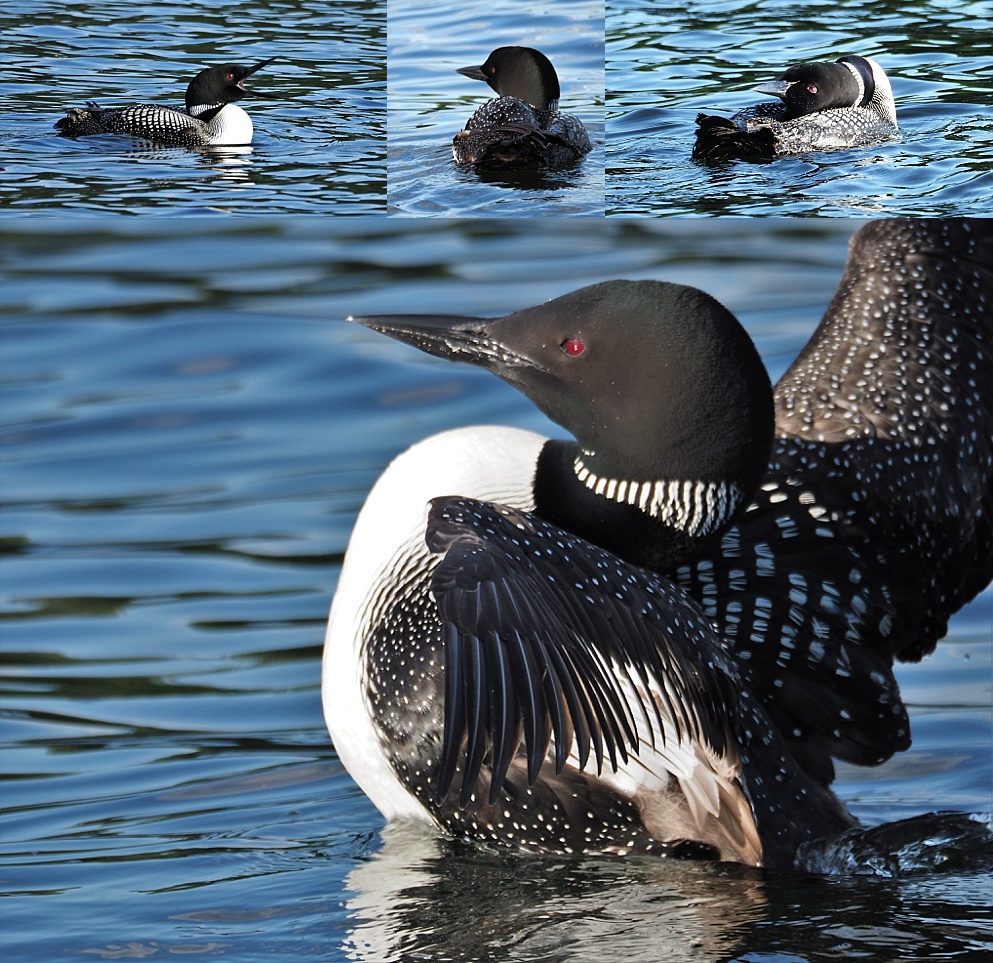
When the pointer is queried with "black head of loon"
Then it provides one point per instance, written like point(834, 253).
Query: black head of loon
point(809, 88)
point(520, 72)
point(661, 387)
point(214, 87)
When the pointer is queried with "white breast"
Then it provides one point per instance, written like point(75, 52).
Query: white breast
point(230, 126)
point(489, 463)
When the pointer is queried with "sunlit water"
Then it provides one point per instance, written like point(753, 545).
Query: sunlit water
point(429, 104)
point(189, 429)
point(319, 146)
point(665, 68)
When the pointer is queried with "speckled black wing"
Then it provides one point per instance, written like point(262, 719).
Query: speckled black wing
point(549, 638)
point(892, 400)
point(873, 524)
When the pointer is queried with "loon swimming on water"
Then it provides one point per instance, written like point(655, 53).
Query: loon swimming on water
point(848, 103)
point(522, 128)
point(657, 638)
point(211, 117)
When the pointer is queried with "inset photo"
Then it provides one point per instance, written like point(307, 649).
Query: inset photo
point(496, 109)
point(253, 108)
point(779, 109)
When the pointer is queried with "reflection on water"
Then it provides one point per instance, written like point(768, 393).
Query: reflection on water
point(421, 897)
point(425, 897)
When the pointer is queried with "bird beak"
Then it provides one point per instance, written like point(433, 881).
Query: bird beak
point(451, 336)
point(774, 88)
point(251, 90)
point(474, 73)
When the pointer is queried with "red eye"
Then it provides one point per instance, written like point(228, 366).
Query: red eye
point(229, 76)
point(573, 347)
point(812, 88)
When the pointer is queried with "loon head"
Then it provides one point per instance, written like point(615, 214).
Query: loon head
point(812, 87)
point(653, 380)
point(520, 72)
point(214, 87)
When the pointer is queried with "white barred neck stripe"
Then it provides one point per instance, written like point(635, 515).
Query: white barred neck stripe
point(695, 507)
point(197, 109)
point(857, 74)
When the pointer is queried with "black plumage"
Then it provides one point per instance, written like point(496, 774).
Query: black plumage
point(522, 128)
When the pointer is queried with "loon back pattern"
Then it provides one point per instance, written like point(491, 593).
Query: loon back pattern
point(164, 125)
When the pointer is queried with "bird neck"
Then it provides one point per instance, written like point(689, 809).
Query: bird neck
point(655, 522)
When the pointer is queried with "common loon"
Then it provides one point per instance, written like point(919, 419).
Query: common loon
point(657, 638)
point(521, 129)
point(847, 103)
point(211, 118)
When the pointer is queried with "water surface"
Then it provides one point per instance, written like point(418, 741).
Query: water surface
point(189, 429)
point(666, 64)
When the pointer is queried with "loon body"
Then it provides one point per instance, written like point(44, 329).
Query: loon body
point(522, 128)
point(211, 117)
point(848, 103)
point(621, 645)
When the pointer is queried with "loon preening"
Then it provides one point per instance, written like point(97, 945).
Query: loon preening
point(847, 103)
point(211, 118)
point(522, 128)
point(657, 637)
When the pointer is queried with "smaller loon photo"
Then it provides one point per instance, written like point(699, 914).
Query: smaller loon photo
point(211, 117)
point(823, 106)
point(522, 127)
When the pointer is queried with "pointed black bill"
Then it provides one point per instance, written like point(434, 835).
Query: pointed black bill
point(451, 336)
point(774, 88)
point(251, 90)
point(473, 73)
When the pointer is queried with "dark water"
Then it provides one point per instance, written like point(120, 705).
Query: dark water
point(667, 63)
point(188, 431)
point(319, 147)
point(429, 104)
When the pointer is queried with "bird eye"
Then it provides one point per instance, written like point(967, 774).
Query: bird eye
point(812, 88)
point(229, 76)
point(573, 347)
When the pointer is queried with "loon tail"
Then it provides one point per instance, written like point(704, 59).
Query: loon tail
point(719, 139)
point(81, 121)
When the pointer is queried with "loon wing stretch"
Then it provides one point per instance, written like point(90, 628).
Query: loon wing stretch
point(559, 654)
point(556, 650)
point(873, 524)
point(532, 637)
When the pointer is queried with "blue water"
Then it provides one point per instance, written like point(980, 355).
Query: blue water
point(429, 104)
point(188, 430)
point(319, 146)
point(667, 64)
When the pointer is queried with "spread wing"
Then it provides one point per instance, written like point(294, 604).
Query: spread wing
point(551, 640)
point(874, 522)
point(896, 388)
